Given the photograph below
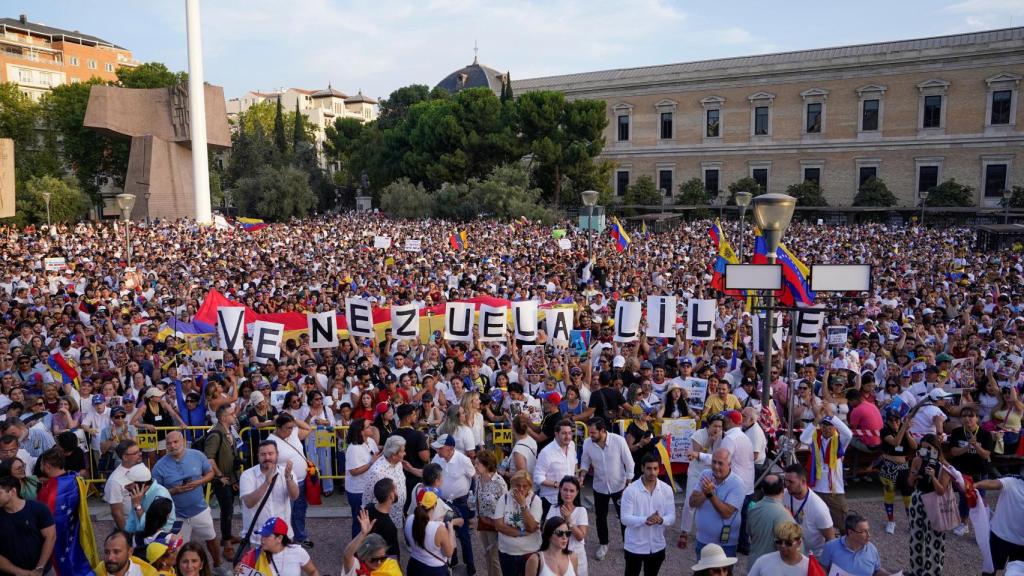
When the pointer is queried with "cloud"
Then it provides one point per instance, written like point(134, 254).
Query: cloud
point(986, 14)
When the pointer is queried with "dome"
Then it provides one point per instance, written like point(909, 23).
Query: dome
point(475, 75)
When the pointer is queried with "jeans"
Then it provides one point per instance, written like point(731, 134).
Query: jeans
point(355, 501)
point(226, 501)
point(650, 563)
point(744, 543)
point(601, 508)
point(462, 533)
point(299, 506)
point(512, 565)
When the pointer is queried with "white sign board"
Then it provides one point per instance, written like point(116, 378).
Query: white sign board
point(458, 321)
point(229, 327)
point(700, 319)
point(382, 242)
point(266, 341)
point(565, 244)
point(627, 320)
point(54, 264)
point(696, 393)
point(661, 316)
point(323, 330)
point(413, 245)
point(837, 335)
point(678, 432)
point(405, 321)
point(525, 315)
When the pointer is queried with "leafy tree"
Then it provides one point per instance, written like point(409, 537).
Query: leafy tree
point(34, 149)
point(280, 140)
point(455, 202)
point(403, 199)
point(67, 203)
point(874, 192)
point(747, 184)
point(950, 193)
point(643, 192)
point(250, 151)
point(149, 75)
point(265, 114)
point(394, 108)
point(1017, 200)
point(506, 194)
point(807, 193)
point(506, 88)
point(275, 193)
point(692, 192)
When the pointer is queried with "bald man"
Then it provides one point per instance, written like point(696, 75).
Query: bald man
point(717, 500)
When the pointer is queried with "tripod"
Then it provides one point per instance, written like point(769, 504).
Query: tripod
point(786, 454)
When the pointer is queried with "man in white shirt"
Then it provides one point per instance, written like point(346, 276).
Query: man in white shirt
point(607, 454)
point(289, 434)
point(114, 492)
point(740, 449)
point(457, 476)
point(254, 484)
point(827, 460)
point(648, 506)
point(1006, 540)
point(808, 510)
point(758, 441)
point(929, 416)
point(556, 461)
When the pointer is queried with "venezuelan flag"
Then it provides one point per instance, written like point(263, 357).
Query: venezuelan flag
point(252, 224)
point(666, 462)
point(795, 287)
point(75, 550)
point(458, 240)
point(715, 231)
point(726, 255)
point(618, 231)
point(62, 368)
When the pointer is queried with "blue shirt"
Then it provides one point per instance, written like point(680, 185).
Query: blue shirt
point(136, 524)
point(169, 473)
point(864, 562)
point(710, 522)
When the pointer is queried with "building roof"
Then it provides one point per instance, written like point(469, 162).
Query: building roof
point(475, 75)
point(329, 91)
point(360, 97)
point(56, 34)
point(765, 63)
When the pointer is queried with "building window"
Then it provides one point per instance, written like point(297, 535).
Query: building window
point(761, 176)
point(761, 121)
point(108, 67)
point(623, 124)
point(621, 182)
point(812, 175)
point(1001, 100)
point(25, 76)
point(814, 118)
point(927, 178)
point(865, 173)
point(869, 115)
point(665, 181)
point(75, 80)
point(932, 112)
point(666, 126)
point(995, 180)
point(712, 123)
point(73, 60)
point(711, 185)
point(91, 64)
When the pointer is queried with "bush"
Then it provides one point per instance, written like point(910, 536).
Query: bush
point(950, 193)
point(807, 193)
point(874, 192)
point(506, 194)
point(747, 184)
point(643, 192)
point(67, 203)
point(275, 193)
point(402, 199)
point(692, 192)
point(1017, 200)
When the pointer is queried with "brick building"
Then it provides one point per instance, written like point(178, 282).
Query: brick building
point(38, 57)
point(912, 112)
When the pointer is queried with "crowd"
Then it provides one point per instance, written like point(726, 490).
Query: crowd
point(95, 383)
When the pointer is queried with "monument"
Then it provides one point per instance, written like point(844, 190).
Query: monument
point(158, 122)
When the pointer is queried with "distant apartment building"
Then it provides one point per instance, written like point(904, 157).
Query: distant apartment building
point(913, 113)
point(320, 107)
point(37, 57)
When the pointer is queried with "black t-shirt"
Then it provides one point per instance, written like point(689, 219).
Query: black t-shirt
point(21, 536)
point(415, 441)
point(386, 528)
point(970, 462)
point(606, 403)
point(548, 427)
point(904, 449)
point(638, 455)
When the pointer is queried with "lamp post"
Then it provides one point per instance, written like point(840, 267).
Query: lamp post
point(589, 200)
point(146, 195)
point(125, 202)
point(742, 200)
point(46, 198)
point(1007, 195)
point(924, 200)
point(773, 213)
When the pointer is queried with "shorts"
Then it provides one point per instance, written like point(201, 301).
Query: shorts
point(198, 528)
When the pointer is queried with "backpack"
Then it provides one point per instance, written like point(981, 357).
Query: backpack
point(200, 442)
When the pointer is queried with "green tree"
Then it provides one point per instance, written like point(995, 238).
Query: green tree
point(250, 151)
point(265, 114)
point(1017, 200)
point(950, 193)
point(506, 88)
point(807, 193)
point(643, 192)
point(403, 199)
point(275, 193)
point(394, 108)
point(506, 194)
point(280, 139)
point(692, 192)
point(67, 203)
point(874, 192)
point(149, 75)
point(747, 184)
point(24, 121)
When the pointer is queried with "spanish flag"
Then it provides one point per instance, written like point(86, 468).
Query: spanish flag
point(74, 553)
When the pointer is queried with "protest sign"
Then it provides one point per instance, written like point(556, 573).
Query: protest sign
point(458, 322)
point(700, 319)
point(565, 244)
point(808, 325)
point(559, 323)
point(404, 321)
point(677, 433)
point(413, 245)
point(558, 233)
point(696, 393)
point(383, 242)
point(359, 317)
point(525, 315)
point(323, 330)
point(837, 335)
point(760, 326)
point(579, 343)
point(55, 264)
point(230, 320)
point(266, 338)
point(493, 323)
point(627, 320)
point(661, 316)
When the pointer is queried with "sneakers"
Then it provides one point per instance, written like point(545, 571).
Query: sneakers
point(961, 530)
point(602, 551)
point(890, 527)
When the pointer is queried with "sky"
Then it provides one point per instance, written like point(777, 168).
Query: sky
point(378, 46)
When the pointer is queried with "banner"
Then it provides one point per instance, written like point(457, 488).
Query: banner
point(627, 321)
point(405, 321)
point(55, 264)
point(700, 319)
point(565, 244)
point(323, 330)
point(230, 320)
point(579, 343)
point(493, 323)
point(413, 245)
point(661, 316)
point(808, 325)
point(458, 322)
point(760, 326)
point(381, 242)
point(525, 315)
point(837, 335)
point(678, 432)
point(359, 315)
point(696, 393)
point(558, 324)
point(266, 338)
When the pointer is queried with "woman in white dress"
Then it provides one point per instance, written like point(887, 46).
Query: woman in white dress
point(574, 514)
point(554, 557)
point(702, 443)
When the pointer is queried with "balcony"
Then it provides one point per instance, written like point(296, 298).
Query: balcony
point(13, 53)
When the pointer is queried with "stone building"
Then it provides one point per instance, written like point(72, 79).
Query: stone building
point(913, 113)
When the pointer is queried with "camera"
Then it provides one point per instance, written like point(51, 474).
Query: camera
point(449, 515)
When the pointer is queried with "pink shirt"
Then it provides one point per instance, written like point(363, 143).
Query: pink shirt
point(866, 417)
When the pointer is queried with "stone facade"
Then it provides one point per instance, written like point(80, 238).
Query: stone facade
point(946, 107)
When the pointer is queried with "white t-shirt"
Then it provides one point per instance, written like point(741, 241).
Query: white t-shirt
point(922, 422)
point(291, 449)
point(508, 509)
point(289, 562)
point(278, 504)
point(357, 455)
point(772, 565)
point(113, 490)
point(813, 515)
point(1006, 521)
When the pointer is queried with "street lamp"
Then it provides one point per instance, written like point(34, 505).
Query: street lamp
point(924, 200)
point(46, 198)
point(772, 213)
point(589, 200)
point(125, 202)
point(146, 195)
point(1007, 194)
point(742, 200)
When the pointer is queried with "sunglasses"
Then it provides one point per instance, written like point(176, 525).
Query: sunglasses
point(563, 533)
point(787, 542)
point(378, 559)
point(118, 417)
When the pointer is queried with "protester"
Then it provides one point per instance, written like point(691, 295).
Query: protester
point(570, 509)
point(853, 553)
point(608, 455)
point(117, 557)
point(648, 507)
point(1006, 539)
point(490, 489)
point(221, 451)
point(517, 520)
point(277, 554)
point(431, 542)
point(360, 455)
point(702, 444)
point(289, 435)
point(555, 556)
point(764, 516)
point(366, 552)
point(141, 494)
point(192, 560)
point(828, 438)
point(385, 494)
point(713, 562)
point(268, 483)
point(27, 531)
point(897, 446)
point(129, 453)
point(808, 510)
point(458, 473)
point(788, 560)
point(555, 461)
point(388, 466)
point(929, 472)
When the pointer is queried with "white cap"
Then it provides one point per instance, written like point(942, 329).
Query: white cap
point(619, 362)
point(938, 394)
point(257, 397)
point(139, 473)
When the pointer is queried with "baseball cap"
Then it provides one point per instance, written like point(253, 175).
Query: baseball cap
point(553, 398)
point(721, 364)
point(116, 410)
point(427, 499)
point(154, 392)
point(827, 421)
point(382, 408)
point(257, 397)
point(274, 526)
point(139, 473)
point(646, 365)
point(938, 394)
point(734, 416)
point(98, 399)
point(443, 440)
point(619, 362)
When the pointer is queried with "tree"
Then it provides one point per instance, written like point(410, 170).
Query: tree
point(67, 203)
point(874, 192)
point(280, 140)
point(250, 151)
point(692, 192)
point(747, 184)
point(149, 75)
point(1017, 200)
point(394, 108)
point(506, 194)
point(950, 193)
point(403, 199)
point(807, 193)
point(643, 192)
point(275, 193)
point(34, 149)
point(506, 88)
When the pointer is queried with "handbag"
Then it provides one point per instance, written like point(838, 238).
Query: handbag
point(941, 509)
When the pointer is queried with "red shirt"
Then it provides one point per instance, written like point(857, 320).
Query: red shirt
point(867, 417)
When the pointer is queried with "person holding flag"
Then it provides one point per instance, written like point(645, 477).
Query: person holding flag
point(65, 495)
point(618, 232)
